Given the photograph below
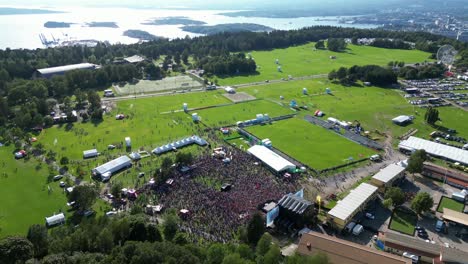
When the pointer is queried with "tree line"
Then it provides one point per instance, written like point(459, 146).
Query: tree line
point(374, 74)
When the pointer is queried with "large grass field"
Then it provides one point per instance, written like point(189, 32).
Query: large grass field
point(26, 199)
point(228, 115)
point(450, 203)
point(304, 60)
point(310, 144)
point(403, 222)
point(373, 107)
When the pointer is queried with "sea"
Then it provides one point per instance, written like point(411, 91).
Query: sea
point(22, 31)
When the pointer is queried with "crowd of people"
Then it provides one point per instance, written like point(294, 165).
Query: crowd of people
point(215, 214)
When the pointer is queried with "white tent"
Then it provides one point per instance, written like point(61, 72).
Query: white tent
point(435, 149)
point(270, 158)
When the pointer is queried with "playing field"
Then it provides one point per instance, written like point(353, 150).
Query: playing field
point(310, 144)
point(304, 60)
point(449, 203)
point(229, 115)
point(26, 199)
point(373, 107)
point(403, 222)
point(182, 82)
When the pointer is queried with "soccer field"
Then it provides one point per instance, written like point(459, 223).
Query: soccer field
point(304, 60)
point(310, 144)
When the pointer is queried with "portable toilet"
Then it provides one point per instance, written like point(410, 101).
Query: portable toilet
point(185, 107)
point(293, 104)
point(279, 69)
point(277, 61)
point(328, 91)
point(281, 97)
point(128, 142)
point(304, 91)
point(195, 117)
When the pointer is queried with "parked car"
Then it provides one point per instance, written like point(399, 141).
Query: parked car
point(57, 177)
point(62, 184)
point(370, 216)
point(423, 235)
point(440, 226)
point(111, 213)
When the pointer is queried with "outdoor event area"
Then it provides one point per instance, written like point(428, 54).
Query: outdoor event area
point(305, 60)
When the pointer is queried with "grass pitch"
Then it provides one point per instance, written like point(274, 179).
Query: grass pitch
point(310, 144)
point(449, 203)
point(304, 60)
point(403, 221)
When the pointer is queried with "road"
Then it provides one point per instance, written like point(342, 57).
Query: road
point(136, 96)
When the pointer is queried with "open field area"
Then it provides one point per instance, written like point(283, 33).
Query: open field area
point(310, 144)
point(449, 203)
point(373, 107)
point(228, 115)
point(181, 82)
point(304, 60)
point(403, 222)
point(26, 199)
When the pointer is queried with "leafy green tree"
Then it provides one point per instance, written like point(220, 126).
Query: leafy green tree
point(233, 258)
point(422, 202)
point(273, 256)
point(180, 239)
point(105, 241)
point(264, 244)
point(336, 44)
point(245, 252)
point(431, 116)
point(64, 161)
point(153, 233)
point(332, 75)
point(184, 158)
point(396, 195)
point(320, 44)
point(15, 250)
point(387, 203)
point(84, 196)
point(255, 228)
point(416, 161)
point(215, 254)
point(170, 226)
point(116, 189)
point(37, 235)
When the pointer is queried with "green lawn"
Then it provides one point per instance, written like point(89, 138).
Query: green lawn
point(450, 203)
point(310, 144)
point(403, 222)
point(304, 60)
point(26, 199)
point(228, 115)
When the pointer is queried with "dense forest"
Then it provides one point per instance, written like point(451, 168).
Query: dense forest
point(133, 239)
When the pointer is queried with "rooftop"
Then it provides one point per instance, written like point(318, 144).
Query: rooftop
point(342, 251)
point(455, 216)
point(294, 203)
point(106, 167)
point(346, 207)
point(388, 173)
point(134, 59)
point(435, 149)
point(401, 119)
point(270, 158)
point(66, 68)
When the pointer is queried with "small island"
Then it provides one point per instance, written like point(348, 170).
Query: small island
point(54, 24)
point(102, 24)
point(235, 27)
point(140, 34)
point(24, 11)
point(180, 20)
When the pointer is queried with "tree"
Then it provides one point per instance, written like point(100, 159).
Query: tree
point(170, 226)
point(336, 44)
point(396, 195)
point(184, 158)
point(64, 161)
point(80, 96)
point(431, 116)
point(263, 244)
point(215, 254)
point(116, 189)
point(273, 256)
point(84, 196)
point(37, 235)
point(105, 241)
point(387, 203)
point(422, 202)
point(416, 161)
point(341, 73)
point(153, 233)
point(332, 75)
point(15, 250)
point(320, 44)
point(255, 228)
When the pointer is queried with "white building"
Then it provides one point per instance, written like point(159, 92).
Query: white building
point(270, 158)
point(387, 176)
point(106, 170)
point(57, 219)
point(435, 149)
point(90, 153)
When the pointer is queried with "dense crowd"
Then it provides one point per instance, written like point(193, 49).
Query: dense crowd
point(214, 214)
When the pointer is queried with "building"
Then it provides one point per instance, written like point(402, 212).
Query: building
point(271, 159)
point(429, 252)
point(134, 59)
point(105, 171)
point(54, 220)
point(450, 176)
point(61, 70)
point(456, 217)
point(342, 251)
point(402, 120)
point(354, 202)
point(387, 176)
point(435, 149)
point(180, 144)
point(90, 153)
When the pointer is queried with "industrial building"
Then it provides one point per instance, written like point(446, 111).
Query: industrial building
point(342, 251)
point(387, 176)
point(354, 202)
point(105, 171)
point(180, 144)
point(271, 159)
point(435, 149)
point(54, 220)
point(61, 70)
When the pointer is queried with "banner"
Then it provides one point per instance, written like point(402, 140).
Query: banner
point(271, 216)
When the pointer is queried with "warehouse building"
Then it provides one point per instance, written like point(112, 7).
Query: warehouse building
point(344, 211)
point(387, 176)
point(342, 251)
point(61, 70)
point(435, 149)
point(271, 159)
point(105, 171)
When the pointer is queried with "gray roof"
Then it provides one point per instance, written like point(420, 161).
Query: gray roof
point(55, 219)
point(134, 59)
point(271, 158)
point(401, 119)
point(66, 68)
point(91, 151)
point(388, 173)
point(111, 165)
point(180, 144)
point(435, 149)
point(348, 206)
point(294, 203)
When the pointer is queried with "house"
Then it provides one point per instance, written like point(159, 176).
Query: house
point(61, 70)
point(387, 176)
point(90, 153)
point(105, 171)
point(54, 220)
point(271, 159)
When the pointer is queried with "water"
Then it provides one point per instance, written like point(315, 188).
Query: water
point(22, 31)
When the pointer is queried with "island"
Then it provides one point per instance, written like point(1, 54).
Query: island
point(54, 24)
point(102, 24)
point(140, 34)
point(234, 27)
point(178, 20)
point(23, 11)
